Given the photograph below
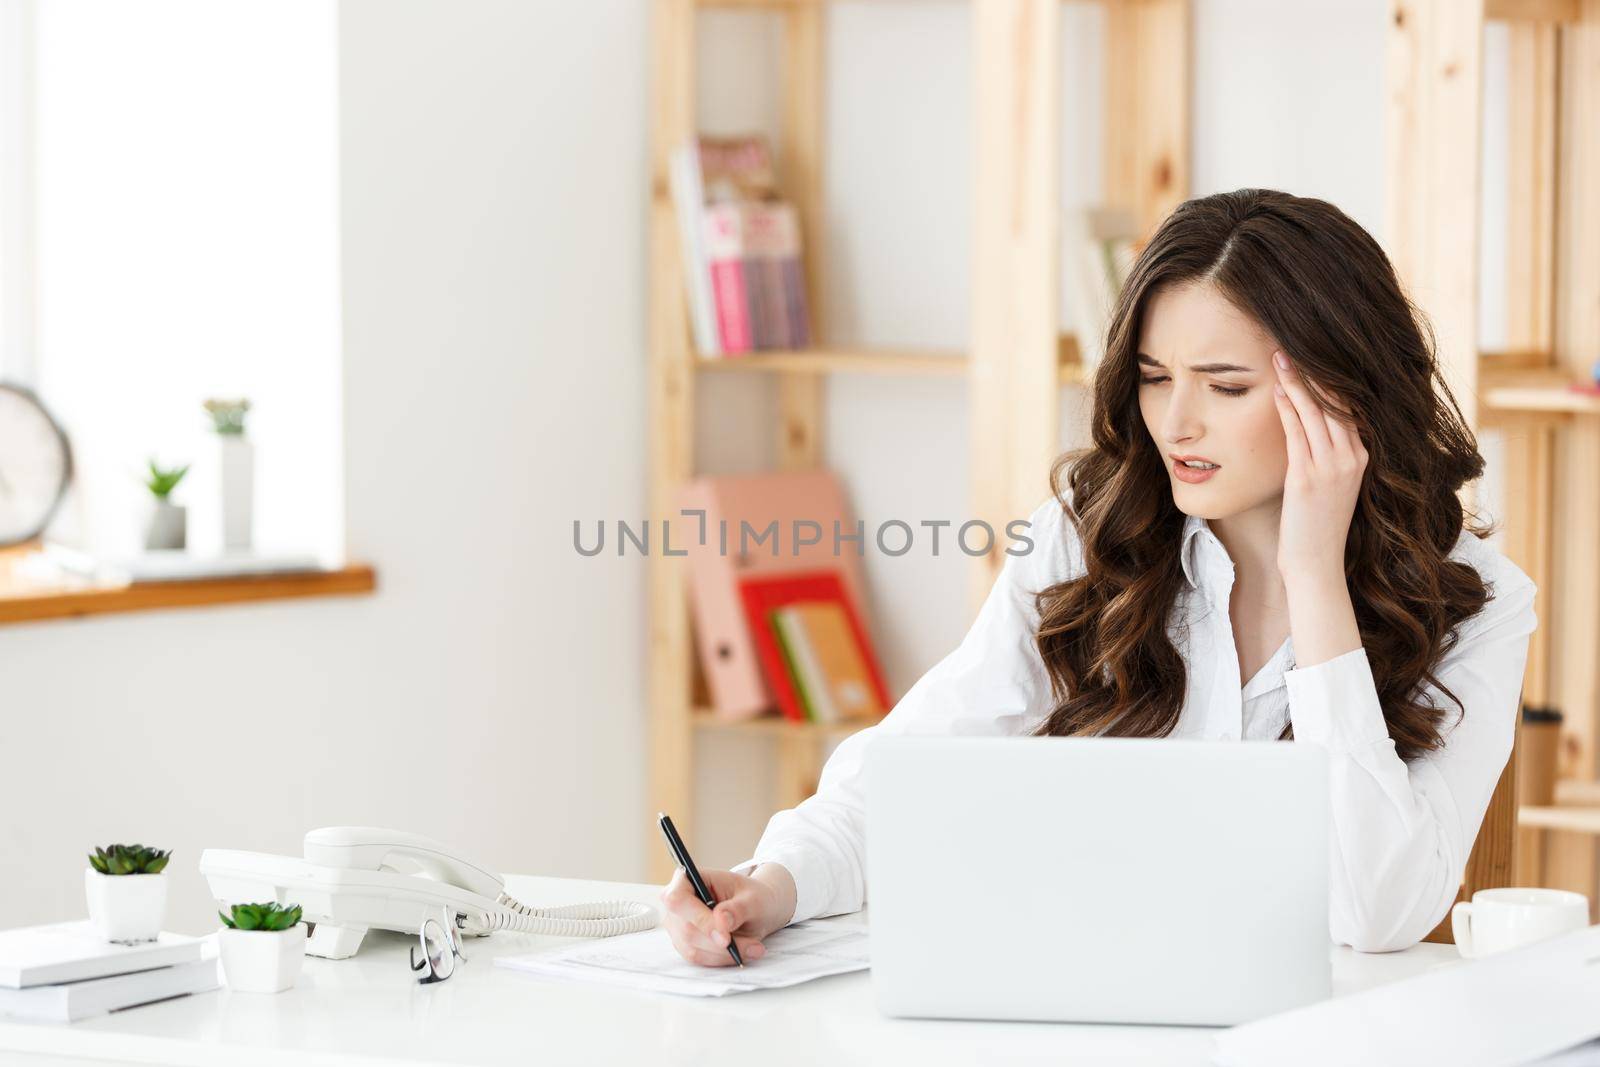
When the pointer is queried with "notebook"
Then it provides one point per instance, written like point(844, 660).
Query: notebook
point(72, 952)
point(72, 1001)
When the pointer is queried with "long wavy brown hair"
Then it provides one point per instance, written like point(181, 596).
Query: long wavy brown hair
point(1324, 290)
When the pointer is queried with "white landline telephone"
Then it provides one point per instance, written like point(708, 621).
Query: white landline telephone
point(356, 878)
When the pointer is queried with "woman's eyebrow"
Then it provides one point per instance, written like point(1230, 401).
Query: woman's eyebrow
point(1201, 368)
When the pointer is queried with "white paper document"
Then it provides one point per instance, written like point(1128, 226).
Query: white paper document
point(812, 949)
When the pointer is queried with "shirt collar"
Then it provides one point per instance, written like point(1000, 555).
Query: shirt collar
point(1189, 552)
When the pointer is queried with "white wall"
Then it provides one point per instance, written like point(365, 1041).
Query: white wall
point(489, 694)
point(493, 183)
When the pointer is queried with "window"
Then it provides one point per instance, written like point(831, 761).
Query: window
point(179, 240)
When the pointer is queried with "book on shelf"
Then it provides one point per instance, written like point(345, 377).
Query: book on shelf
point(740, 245)
point(718, 510)
point(827, 667)
point(1107, 243)
point(686, 198)
point(800, 696)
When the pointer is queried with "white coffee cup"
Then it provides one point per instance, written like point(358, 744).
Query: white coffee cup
point(1498, 919)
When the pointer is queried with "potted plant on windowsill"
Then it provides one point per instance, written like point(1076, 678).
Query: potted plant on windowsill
point(168, 524)
point(127, 892)
point(262, 947)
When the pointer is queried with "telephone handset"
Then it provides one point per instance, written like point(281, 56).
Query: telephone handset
point(356, 878)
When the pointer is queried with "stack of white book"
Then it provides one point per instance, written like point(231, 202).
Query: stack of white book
point(66, 972)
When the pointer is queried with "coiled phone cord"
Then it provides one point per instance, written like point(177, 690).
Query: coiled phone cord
point(607, 918)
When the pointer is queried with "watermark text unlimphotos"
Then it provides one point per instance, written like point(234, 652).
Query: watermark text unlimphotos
point(894, 537)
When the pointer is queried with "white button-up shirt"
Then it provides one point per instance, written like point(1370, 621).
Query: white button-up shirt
point(1401, 832)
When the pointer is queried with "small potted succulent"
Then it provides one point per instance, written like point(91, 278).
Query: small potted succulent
point(127, 892)
point(168, 523)
point(262, 946)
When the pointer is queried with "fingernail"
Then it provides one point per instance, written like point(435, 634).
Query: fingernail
point(1281, 360)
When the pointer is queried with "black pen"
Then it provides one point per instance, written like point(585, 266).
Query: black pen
point(680, 856)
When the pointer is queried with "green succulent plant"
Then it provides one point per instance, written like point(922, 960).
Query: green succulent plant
point(227, 415)
point(161, 481)
point(129, 859)
point(269, 917)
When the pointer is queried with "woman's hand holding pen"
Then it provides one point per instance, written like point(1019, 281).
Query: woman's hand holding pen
point(748, 909)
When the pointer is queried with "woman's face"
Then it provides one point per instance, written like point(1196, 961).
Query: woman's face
point(1205, 390)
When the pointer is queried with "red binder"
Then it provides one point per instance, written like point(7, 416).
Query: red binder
point(761, 594)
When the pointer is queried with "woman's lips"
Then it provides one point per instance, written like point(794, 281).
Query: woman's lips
point(1189, 474)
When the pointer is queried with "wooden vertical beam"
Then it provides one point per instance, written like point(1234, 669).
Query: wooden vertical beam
point(671, 413)
point(1015, 384)
point(800, 396)
point(1576, 339)
point(1147, 108)
point(1433, 128)
point(1531, 442)
point(800, 407)
point(799, 768)
point(1531, 199)
point(1530, 452)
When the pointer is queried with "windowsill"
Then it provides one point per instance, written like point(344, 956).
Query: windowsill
point(21, 603)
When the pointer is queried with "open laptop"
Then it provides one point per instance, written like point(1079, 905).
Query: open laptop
point(1115, 880)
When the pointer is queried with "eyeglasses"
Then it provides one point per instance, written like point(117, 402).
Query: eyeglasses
point(441, 947)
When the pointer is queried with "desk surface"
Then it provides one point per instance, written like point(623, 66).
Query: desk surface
point(370, 1010)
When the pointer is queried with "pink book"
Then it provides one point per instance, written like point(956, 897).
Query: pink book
point(728, 654)
point(725, 252)
point(764, 236)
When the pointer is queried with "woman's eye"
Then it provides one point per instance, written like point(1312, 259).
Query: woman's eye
point(1225, 391)
point(1152, 381)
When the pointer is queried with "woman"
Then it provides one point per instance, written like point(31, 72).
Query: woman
point(1264, 541)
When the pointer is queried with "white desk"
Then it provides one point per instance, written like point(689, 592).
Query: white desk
point(371, 1010)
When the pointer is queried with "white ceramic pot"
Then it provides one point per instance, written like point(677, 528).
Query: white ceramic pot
point(168, 526)
point(236, 460)
point(262, 961)
point(127, 909)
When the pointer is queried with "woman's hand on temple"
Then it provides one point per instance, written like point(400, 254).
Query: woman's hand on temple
point(1326, 463)
point(748, 909)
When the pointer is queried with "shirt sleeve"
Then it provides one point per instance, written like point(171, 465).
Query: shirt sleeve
point(1401, 833)
point(993, 683)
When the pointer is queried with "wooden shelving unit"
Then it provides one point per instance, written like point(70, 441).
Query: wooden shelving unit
point(1016, 360)
point(1551, 433)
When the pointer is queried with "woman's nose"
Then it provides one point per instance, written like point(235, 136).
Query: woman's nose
point(1180, 422)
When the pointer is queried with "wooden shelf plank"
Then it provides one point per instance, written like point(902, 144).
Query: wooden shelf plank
point(841, 361)
point(1532, 10)
point(1576, 820)
point(772, 725)
point(908, 362)
point(20, 604)
point(1556, 399)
